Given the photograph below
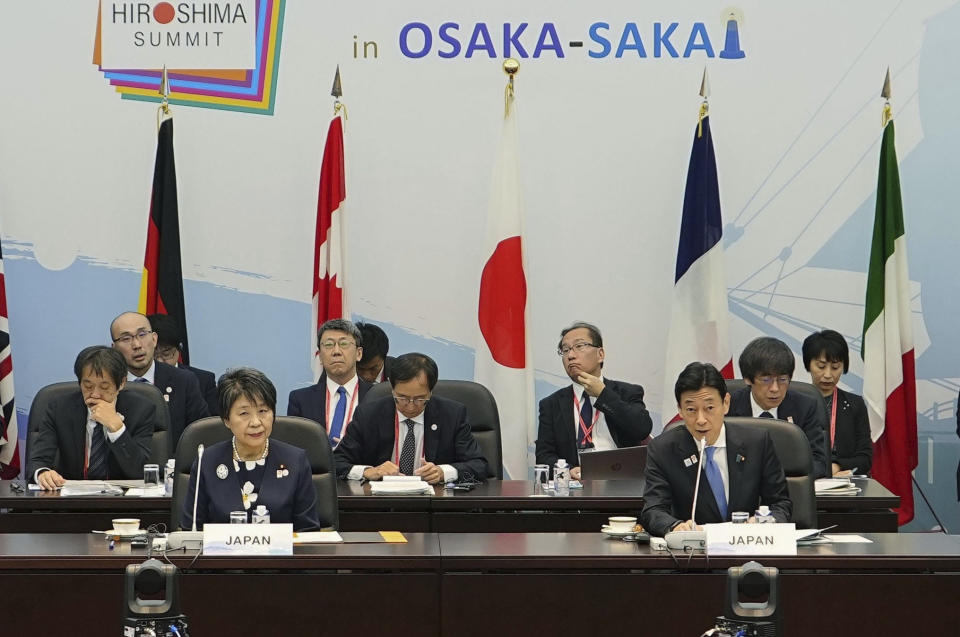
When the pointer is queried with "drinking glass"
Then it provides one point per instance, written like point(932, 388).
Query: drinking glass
point(238, 517)
point(151, 475)
point(541, 473)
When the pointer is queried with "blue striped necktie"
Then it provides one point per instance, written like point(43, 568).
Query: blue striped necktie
point(97, 465)
point(716, 482)
point(339, 415)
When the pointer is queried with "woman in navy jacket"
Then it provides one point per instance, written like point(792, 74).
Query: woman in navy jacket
point(251, 470)
point(826, 356)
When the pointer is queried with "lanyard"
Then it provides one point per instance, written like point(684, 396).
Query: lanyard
point(396, 441)
point(833, 418)
point(587, 433)
point(347, 417)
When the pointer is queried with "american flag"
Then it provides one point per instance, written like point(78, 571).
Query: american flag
point(9, 444)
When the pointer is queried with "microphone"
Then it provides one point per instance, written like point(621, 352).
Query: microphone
point(192, 539)
point(690, 540)
point(196, 490)
point(696, 488)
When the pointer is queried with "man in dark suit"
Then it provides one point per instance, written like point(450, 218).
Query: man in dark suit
point(134, 338)
point(595, 413)
point(767, 366)
point(98, 432)
point(169, 345)
point(333, 399)
point(411, 432)
point(375, 365)
point(740, 465)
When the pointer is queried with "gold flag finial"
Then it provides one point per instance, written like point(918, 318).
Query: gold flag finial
point(337, 93)
point(704, 106)
point(511, 67)
point(163, 112)
point(885, 94)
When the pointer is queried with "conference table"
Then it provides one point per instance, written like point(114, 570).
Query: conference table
point(486, 584)
point(496, 506)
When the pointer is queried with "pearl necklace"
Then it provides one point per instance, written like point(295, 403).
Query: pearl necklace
point(236, 454)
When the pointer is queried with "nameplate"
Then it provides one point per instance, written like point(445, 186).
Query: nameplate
point(248, 539)
point(751, 539)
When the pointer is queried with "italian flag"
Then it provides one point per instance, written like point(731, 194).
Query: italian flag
point(889, 381)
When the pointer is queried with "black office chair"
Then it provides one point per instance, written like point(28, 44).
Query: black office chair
point(793, 450)
point(56, 391)
point(299, 432)
point(733, 384)
point(482, 414)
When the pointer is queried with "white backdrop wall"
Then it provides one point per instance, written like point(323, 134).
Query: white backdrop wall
point(605, 142)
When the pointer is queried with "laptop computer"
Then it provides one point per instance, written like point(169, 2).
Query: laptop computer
point(626, 463)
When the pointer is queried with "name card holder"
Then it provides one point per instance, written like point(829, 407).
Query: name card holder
point(248, 539)
point(751, 539)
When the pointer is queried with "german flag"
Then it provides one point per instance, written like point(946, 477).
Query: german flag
point(161, 286)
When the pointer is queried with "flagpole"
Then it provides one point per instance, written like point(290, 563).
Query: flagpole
point(163, 112)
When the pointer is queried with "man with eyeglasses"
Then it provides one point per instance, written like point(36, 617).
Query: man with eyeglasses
point(767, 365)
point(333, 399)
point(595, 413)
point(133, 337)
point(169, 341)
point(411, 432)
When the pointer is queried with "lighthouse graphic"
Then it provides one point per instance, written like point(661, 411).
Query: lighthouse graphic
point(731, 47)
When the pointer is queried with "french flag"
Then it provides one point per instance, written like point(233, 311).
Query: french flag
point(699, 313)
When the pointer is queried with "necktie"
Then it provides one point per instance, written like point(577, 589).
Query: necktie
point(409, 450)
point(716, 482)
point(339, 414)
point(586, 415)
point(140, 380)
point(766, 414)
point(97, 465)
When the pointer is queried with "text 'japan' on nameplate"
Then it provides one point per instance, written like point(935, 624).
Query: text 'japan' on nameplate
point(248, 539)
point(751, 539)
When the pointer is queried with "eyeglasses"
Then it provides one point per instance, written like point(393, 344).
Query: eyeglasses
point(405, 401)
point(127, 339)
point(343, 343)
point(579, 347)
point(768, 380)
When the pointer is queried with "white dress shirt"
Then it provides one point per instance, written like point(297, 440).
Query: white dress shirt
point(332, 387)
point(148, 375)
point(757, 409)
point(450, 474)
point(602, 440)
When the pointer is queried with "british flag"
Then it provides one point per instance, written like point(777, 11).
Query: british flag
point(9, 443)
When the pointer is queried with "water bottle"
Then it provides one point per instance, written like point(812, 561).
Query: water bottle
point(561, 478)
point(763, 515)
point(260, 515)
point(168, 478)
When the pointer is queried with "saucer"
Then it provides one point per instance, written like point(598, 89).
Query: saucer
point(123, 533)
point(637, 536)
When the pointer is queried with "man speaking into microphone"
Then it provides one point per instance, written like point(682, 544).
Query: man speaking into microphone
point(740, 467)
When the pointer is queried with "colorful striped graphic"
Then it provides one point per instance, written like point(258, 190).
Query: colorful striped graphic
point(247, 91)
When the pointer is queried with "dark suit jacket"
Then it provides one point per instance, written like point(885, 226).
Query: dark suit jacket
point(208, 388)
point(370, 438)
point(184, 399)
point(754, 472)
point(311, 402)
point(291, 498)
point(852, 447)
point(805, 412)
point(387, 366)
point(622, 407)
point(63, 433)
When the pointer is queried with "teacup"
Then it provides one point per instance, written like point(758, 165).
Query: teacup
point(622, 523)
point(126, 525)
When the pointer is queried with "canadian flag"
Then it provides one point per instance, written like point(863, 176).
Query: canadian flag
point(502, 353)
point(329, 300)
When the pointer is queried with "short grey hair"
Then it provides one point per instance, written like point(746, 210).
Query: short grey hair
point(341, 325)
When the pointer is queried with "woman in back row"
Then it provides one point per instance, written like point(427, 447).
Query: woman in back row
point(827, 357)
